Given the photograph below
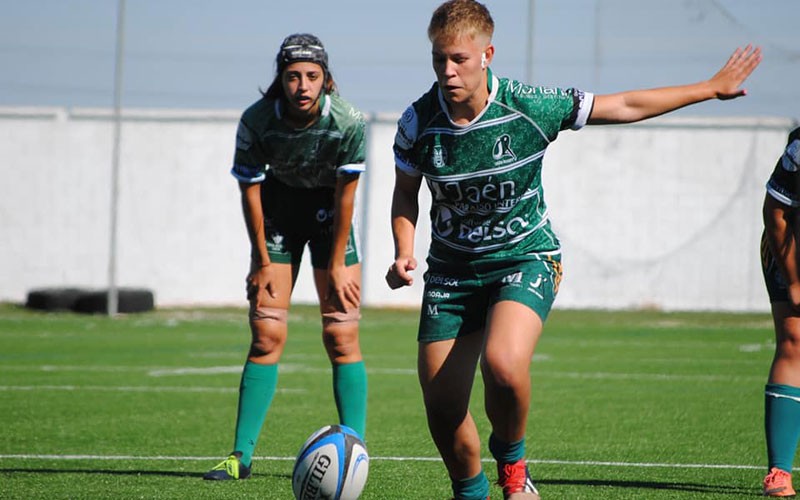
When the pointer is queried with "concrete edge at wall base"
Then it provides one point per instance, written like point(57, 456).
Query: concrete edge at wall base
point(89, 301)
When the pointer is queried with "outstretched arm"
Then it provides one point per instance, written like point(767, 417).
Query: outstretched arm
point(635, 105)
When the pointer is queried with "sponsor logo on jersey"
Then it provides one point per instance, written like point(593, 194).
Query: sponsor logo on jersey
point(244, 139)
point(409, 115)
point(791, 157)
point(534, 286)
point(486, 232)
point(433, 310)
point(354, 113)
point(443, 221)
point(521, 89)
point(323, 215)
point(488, 197)
point(580, 96)
point(436, 294)
point(406, 129)
point(438, 279)
point(502, 149)
point(513, 278)
point(488, 190)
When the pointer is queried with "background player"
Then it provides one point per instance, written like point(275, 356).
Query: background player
point(494, 261)
point(299, 153)
point(779, 262)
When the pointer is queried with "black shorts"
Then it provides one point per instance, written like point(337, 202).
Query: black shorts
point(296, 217)
point(773, 278)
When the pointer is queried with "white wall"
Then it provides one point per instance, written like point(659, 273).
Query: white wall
point(663, 214)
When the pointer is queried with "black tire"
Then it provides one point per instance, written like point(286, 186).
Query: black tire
point(53, 299)
point(130, 300)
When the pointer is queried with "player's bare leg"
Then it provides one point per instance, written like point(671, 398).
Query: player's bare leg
point(513, 330)
point(339, 325)
point(786, 363)
point(268, 317)
point(268, 329)
point(446, 373)
point(340, 328)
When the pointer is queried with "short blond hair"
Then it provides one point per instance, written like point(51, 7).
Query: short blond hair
point(455, 18)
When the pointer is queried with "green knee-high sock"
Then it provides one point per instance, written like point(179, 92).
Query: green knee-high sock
point(782, 424)
point(350, 393)
point(506, 453)
point(473, 488)
point(255, 396)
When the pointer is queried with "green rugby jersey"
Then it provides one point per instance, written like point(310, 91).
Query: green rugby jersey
point(307, 158)
point(485, 176)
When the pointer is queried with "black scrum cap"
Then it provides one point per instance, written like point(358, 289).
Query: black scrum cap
point(302, 47)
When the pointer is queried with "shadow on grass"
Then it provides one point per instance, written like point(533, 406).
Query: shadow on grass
point(652, 485)
point(198, 475)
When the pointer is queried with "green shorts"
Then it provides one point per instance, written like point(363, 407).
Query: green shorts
point(457, 298)
point(296, 217)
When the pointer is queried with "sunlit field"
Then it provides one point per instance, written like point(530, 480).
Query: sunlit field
point(626, 405)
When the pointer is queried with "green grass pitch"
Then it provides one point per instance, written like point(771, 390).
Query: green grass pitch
point(641, 405)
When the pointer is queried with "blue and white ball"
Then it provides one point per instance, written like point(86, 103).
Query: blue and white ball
point(332, 465)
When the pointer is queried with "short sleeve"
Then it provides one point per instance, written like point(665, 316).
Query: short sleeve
point(246, 166)
point(582, 103)
point(404, 141)
point(784, 183)
point(353, 152)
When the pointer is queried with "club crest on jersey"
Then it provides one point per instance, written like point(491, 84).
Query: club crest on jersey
point(502, 149)
point(275, 242)
point(439, 156)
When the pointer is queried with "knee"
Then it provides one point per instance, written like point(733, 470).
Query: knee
point(445, 412)
point(340, 335)
point(506, 371)
point(445, 403)
point(268, 329)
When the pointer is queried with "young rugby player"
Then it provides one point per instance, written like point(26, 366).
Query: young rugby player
point(494, 261)
point(299, 153)
point(780, 265)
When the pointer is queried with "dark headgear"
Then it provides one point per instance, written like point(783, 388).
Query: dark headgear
point(302, 47)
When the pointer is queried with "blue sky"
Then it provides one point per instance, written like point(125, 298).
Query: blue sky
point(216, 54)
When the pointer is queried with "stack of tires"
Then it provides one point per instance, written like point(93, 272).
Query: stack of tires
point(129, 300)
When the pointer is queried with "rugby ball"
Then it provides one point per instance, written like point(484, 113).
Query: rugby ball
point(331, 465)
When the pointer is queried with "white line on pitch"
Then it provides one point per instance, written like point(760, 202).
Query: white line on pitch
point(669, 377)
point(154, 371)
point(128, 388)
point(288, 368)
point(591, 463)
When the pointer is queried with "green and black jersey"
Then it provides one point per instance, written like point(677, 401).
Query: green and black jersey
point(784, 183)
point(485, 176)
point(306, 158)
